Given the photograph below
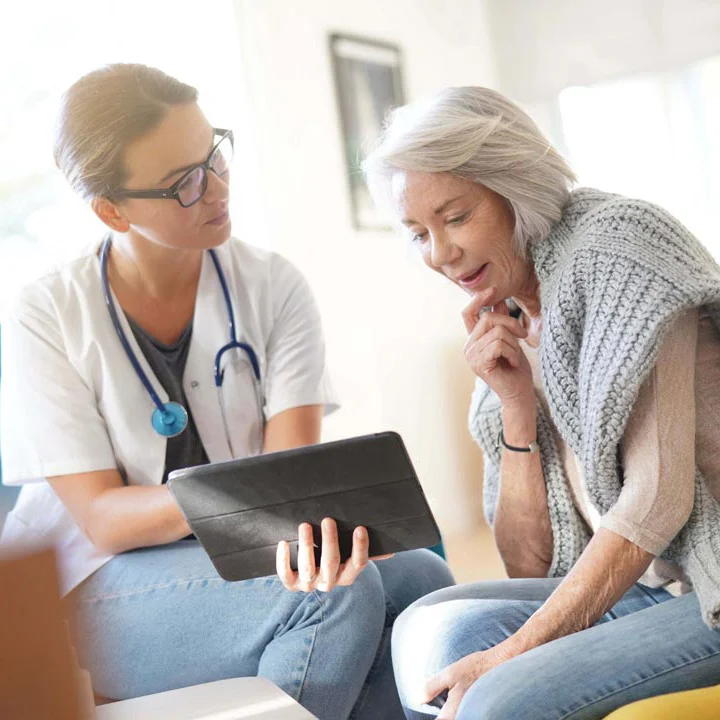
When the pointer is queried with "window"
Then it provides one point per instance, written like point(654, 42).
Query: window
point(655, 137)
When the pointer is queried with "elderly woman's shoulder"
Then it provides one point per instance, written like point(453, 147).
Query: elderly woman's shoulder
point(629, 227)
point(602, 212)
point(605, 227)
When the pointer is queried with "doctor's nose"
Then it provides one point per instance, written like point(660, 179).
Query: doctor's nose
point(218, 188)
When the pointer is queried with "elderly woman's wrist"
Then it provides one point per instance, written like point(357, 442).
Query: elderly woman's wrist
point(520, 404)
point(520, 423)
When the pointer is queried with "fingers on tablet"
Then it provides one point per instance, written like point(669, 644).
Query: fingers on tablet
point(330, 558)
point(282, 566)
point(307, 571)
point(331, 572)
point(358, 559)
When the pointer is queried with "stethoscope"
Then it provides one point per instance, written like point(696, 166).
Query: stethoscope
point(170, 419)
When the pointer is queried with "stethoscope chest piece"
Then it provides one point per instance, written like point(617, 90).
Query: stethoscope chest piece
point(171, 420)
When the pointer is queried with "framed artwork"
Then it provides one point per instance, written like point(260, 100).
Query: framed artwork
point(368, 81)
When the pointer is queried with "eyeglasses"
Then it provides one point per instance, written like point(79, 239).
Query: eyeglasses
point(190, 188)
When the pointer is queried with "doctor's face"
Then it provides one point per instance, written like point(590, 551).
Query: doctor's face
point(157, 160)
point(463, 230)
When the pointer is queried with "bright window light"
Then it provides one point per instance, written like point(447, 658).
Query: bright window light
point(653, 137)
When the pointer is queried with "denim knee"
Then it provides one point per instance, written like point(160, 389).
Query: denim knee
point(450, 630)
point(430, 636)
point(501, 694)
point(411, 575)
point(361, 605)
point(423, 642)
point(435, 572)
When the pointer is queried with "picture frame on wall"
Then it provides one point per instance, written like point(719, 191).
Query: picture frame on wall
point(368, 83)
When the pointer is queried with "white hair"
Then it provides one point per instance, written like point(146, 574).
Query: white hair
point(478, 134)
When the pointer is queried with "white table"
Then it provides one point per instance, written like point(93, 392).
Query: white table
point(253, 698)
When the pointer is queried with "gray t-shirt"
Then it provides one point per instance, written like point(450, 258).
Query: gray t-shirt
point(168, 364)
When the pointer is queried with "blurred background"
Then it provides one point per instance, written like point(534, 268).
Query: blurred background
point(629, 90)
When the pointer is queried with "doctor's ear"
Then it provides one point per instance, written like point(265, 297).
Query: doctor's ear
point(110, 214)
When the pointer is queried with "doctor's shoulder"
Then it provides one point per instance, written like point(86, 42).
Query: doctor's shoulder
point(56, 295)
point(267, 273)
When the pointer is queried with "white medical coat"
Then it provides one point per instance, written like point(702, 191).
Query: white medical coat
point(72, 403)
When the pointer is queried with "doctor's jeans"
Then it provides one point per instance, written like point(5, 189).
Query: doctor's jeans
point(160, 618)
point(650, 643)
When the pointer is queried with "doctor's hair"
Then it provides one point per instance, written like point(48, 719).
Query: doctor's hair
point(478, 134)
point(102, 113)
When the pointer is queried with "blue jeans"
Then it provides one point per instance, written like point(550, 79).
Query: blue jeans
point(161, 618)
point(650, 643)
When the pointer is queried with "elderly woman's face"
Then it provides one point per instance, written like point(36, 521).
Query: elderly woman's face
point(463, 231)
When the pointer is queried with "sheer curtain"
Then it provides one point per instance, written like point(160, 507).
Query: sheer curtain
point(653, 136)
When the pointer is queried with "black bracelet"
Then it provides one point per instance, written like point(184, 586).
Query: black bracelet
point(533, 447)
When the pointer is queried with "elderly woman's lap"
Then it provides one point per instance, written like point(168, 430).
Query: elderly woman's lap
point(650, 643)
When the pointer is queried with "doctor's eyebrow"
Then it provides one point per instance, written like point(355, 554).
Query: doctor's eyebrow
point(185, 168)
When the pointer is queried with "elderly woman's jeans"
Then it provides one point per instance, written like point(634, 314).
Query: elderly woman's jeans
point(160, 618)
point(649, 644)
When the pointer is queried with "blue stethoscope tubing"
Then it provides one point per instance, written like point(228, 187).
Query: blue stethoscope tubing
point(170, 419)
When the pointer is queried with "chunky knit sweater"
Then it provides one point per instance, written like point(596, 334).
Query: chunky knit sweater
point(614, 273)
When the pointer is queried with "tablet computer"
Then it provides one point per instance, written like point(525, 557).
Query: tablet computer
point(240, 510)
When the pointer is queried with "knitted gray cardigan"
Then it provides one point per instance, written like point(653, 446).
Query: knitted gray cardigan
point(613, 273)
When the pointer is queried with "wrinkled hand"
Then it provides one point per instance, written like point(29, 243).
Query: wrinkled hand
point(331, 572)
point(458, 677)
point(493, 349)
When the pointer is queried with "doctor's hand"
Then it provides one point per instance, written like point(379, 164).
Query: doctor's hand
point(331, 572)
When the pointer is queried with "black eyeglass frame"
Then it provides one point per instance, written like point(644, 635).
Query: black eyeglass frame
point(172, 192)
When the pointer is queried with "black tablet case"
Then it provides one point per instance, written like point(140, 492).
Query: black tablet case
point(240, 510)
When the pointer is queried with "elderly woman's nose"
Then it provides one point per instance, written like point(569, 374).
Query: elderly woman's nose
point(442, 251)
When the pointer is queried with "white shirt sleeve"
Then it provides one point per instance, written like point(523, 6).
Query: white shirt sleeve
point(50, 421)
point(296, 373)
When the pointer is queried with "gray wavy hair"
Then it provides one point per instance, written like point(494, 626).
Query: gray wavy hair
point(478, 134)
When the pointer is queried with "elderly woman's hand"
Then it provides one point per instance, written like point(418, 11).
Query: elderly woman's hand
point(493, 350)
point(457, 678)
point(331, 572)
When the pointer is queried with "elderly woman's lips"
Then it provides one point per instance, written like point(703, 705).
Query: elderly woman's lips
point(473, 280)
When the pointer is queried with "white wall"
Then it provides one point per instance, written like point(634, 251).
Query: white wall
point(544, 46)
point(394, 331)
point(642, 119)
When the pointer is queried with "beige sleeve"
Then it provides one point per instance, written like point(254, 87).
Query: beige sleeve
point(658, 449)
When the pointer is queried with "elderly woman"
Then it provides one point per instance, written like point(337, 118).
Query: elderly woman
point(593, 329)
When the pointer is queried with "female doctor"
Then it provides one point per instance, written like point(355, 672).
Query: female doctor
point(172, 344)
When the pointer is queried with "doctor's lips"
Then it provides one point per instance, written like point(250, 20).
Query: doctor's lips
point(472, 280)
point(220, 219)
